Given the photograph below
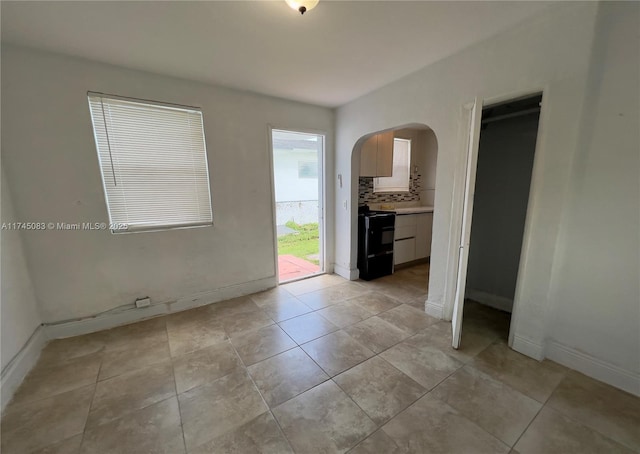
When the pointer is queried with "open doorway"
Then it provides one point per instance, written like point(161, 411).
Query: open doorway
point(496, 202)
point(395, 169)
point(297, 180)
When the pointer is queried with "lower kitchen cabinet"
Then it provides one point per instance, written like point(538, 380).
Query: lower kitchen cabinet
point(404, 250)
point(412, 237)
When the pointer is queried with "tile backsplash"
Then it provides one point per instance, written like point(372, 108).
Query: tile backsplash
point(366, 194)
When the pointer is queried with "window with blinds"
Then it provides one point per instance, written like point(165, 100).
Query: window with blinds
point(399, 179)
point(154, 164)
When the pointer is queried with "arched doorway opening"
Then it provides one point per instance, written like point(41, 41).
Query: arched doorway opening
point(394, 170)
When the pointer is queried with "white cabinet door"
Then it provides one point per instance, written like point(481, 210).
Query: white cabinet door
point(376, 156)
point(404, 251)
point(424, 226)
point(369, 157)
point(385, 154)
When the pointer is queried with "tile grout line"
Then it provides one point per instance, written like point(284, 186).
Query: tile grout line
point(93, 396)
point(246, 369)
point(101, 354)
point(378, 426)
point(146, 406)
point(544, 404)
point(138, 409)
point(50, 396)
point(95, 390)
point(175, 386)
point(171, 358)
point(468, 364)
point(331, 378)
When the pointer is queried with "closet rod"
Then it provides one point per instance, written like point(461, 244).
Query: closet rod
point(511, 115)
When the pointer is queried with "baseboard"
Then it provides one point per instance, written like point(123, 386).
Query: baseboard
point(130, 314)
point(411, 264)
point(593, 367)
point(528, 347)
point(20, 365)
point(224, 293)
point(495, 301)
point(434, 309)
point(348, 273)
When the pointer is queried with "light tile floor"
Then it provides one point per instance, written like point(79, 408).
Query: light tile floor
point(321, 365)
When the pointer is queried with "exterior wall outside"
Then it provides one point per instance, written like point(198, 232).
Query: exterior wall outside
point(300, 212)
point(296, 196)
point(289, 186)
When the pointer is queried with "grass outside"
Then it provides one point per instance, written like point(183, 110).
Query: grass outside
point(303, 244)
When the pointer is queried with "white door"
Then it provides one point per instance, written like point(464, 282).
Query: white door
point(465, 233)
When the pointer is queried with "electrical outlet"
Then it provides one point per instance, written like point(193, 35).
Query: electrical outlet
point(143, 302)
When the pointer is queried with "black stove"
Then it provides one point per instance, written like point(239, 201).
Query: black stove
point(375, 242)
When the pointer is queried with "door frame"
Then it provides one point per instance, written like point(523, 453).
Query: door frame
point(536, 181)
point(322, 197)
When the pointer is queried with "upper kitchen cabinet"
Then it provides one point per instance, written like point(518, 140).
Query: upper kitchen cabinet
point(376, 157)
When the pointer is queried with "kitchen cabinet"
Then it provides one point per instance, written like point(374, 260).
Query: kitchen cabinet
point(412, 240)
point(404, 250)
point(376, 156)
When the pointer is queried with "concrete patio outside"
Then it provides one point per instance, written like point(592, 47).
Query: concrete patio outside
point(291, 267)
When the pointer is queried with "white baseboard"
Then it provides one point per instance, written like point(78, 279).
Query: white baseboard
point(593, 367)
point(20, 365)
point(434, 309)
point(528, 347)
point(348, 273)
point(130, 314)
point(222, 294)
point(497, 302)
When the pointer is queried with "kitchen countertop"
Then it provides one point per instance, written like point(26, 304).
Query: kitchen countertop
point(410, 210)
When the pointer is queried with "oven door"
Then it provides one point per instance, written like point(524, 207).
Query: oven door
point(380, 235)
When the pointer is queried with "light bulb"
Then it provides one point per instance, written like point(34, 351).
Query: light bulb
point(302, 5)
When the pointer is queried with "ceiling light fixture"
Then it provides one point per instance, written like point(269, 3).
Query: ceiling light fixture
point(302, 5)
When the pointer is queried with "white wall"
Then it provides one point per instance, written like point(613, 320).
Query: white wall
point(595, 296)
point(505, 161)
point(539, 54)
point(50, 159)
point(428, 166)
point(424, 154)
point(288, 186)
point(552, 52)
point(19, 314)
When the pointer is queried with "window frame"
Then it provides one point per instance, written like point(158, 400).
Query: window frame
point(118, 227)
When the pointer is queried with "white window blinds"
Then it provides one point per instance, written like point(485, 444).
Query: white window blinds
point(154, 164)
point(399, 179)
